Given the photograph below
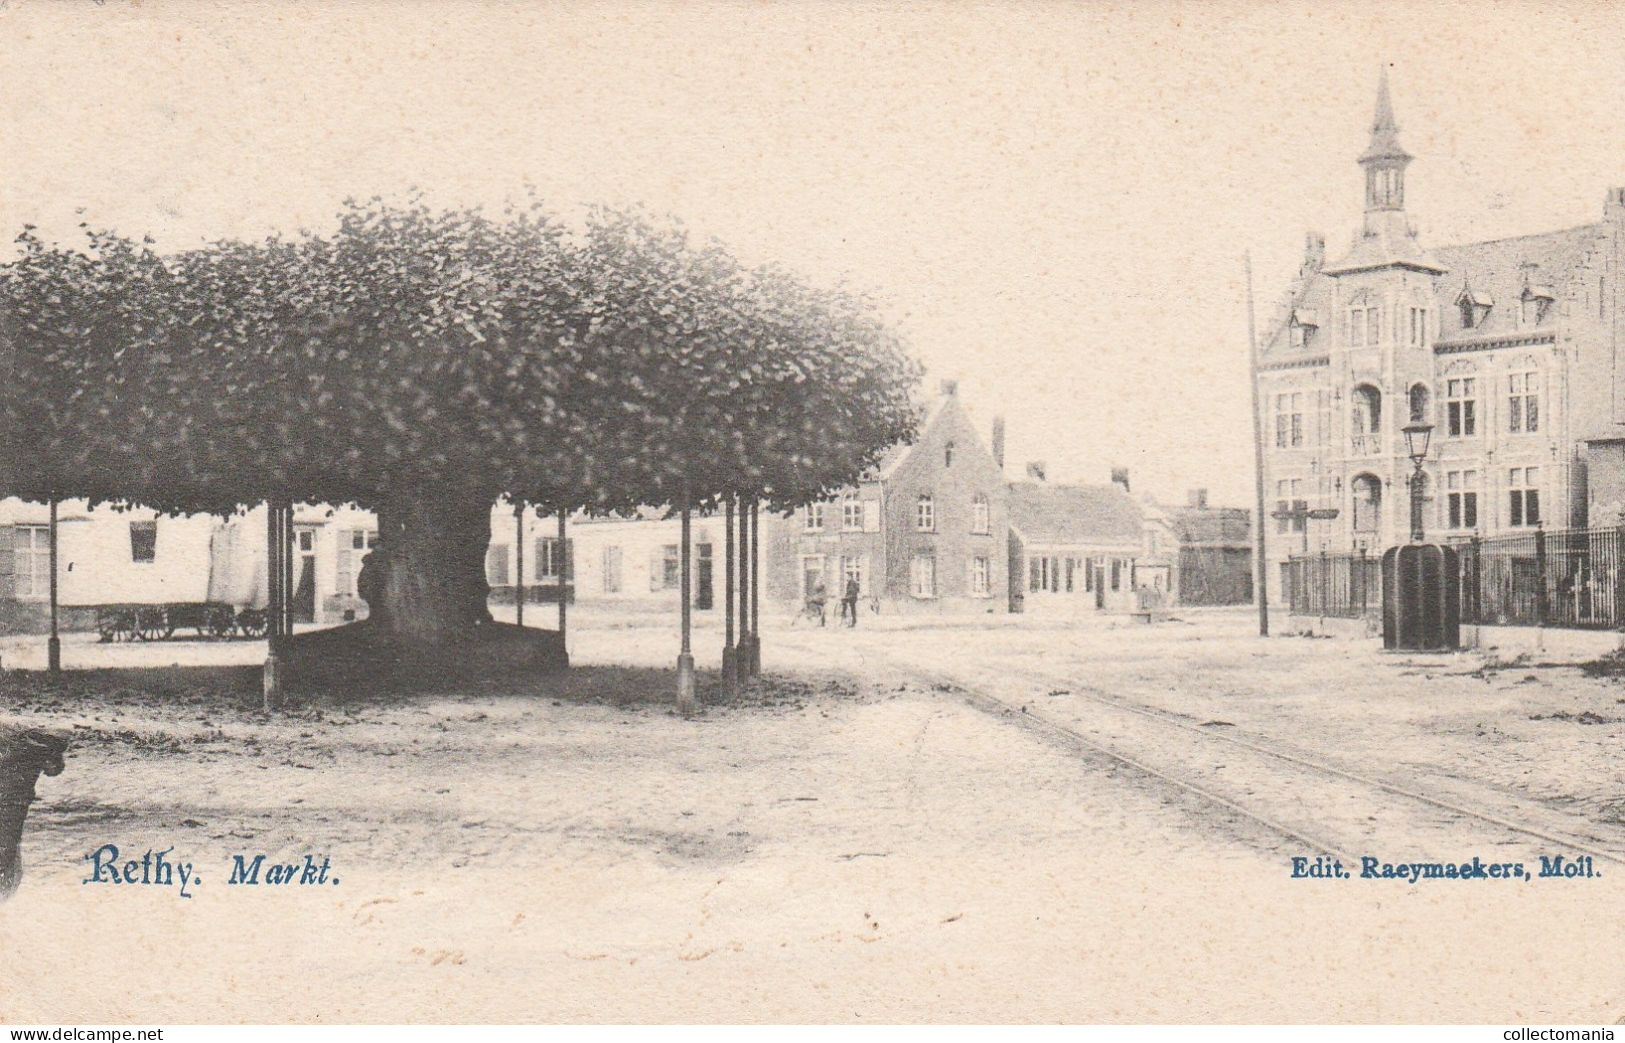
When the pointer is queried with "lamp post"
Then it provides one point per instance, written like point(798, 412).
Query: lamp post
point(1417, 437)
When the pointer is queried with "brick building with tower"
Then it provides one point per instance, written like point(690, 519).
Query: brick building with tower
point(1510, 348)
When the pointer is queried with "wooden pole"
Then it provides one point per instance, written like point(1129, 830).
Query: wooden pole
point(53, 645)
point(730, 676)
point(272, 676)
point(288, 555)
point(1261, 566)
point(742, 647)
point(564, 579)
point(755, 591)
point(685, 657)
point(519, 562)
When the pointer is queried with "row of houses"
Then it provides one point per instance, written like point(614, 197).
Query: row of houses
point(935, 528)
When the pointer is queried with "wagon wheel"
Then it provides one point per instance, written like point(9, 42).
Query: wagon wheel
point(152, 624)
point(252, 622)
point(220, 622)
point(122, 625)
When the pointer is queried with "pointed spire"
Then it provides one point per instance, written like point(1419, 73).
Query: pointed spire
point(1384, 131)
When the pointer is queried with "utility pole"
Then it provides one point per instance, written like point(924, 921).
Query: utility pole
point(1261, 565)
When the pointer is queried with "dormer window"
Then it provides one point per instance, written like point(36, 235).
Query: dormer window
point(1301, 327)
point(1474, 307)
point(1537, 301)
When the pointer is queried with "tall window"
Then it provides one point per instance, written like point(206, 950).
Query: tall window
point(611, 569)
point(143, 541)
point(979, 576)
point(948, 455)
point(1367, 502)
point(1288, 492)
point(671, 566)
point(1323, 418)
point(922, 576)
point(1523, 401)
point(547, 556)
point(813, 517)
point(1366, 415)
point(979, 520)
point(1289, 420)
point(1461, 499)
point(1461, 407)
point(33, 560)
point(1523, 496)
point(1419, 326)
point(1419, 403)
point(852, 513)
point(925, 513)
point(1362, 326)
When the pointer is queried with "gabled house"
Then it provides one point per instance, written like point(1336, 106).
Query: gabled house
point(925, 532)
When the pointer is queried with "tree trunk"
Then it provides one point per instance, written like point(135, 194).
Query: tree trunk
point(433, 584)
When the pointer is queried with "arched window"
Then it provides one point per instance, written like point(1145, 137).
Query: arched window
point(1419, 404)
point(1367, 420)
point(1367, 502)
point(948, 455)
point(979, 515)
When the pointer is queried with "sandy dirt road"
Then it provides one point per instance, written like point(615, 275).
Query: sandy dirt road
point(848, 843)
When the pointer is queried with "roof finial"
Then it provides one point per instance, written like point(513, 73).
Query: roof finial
point(1384, 131)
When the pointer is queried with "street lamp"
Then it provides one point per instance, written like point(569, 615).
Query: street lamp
point(1417, 437)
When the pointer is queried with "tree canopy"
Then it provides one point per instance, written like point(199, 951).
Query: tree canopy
point(420, 353)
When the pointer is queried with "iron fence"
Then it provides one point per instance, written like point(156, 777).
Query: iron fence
point(1544, 577)
point(1345, 585)
point(1558, 577)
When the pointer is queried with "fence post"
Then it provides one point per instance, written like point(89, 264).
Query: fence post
point(1475, 594)
point(1364, 582)
point(1542, 606)
point(1618, 574)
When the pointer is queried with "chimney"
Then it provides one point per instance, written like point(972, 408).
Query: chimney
point(950, 388)
point(1035, 470)
point(1314, 252)
point(1120, 477)
point(1196, 497)
point(998, 441)
point(1614, 208)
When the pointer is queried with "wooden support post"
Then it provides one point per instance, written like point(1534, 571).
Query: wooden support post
point(685, 658)
point(730, 669)
point(742, 646)
point(564, 579)
point(519, 563)
point(53, 645)
point(274, 619)
point(755, 591)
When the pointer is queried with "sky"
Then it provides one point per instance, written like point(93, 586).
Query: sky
point(1052, 201)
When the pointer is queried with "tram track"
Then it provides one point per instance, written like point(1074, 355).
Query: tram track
point(1273, 772)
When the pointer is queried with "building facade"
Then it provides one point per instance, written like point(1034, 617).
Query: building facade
point(1079, 548)
point(925, 533)
point(1510, 348)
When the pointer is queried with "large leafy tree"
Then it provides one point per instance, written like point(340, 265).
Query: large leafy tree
point(424, 363)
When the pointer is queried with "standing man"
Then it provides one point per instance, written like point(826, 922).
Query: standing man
point(816, 600)
point(849, 602)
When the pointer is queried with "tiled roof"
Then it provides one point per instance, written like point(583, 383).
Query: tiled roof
point(1075, 514)
point(1495, 273)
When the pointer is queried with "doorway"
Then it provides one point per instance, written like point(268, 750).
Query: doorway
point(304, 590)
